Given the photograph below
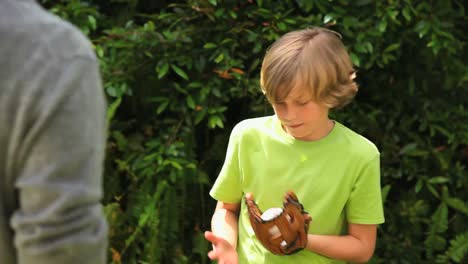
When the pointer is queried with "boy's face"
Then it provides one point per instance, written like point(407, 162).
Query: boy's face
point(301, 117)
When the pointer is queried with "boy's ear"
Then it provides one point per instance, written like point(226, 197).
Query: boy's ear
point(352, 76)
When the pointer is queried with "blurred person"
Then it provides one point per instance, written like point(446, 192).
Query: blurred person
point(52, 140)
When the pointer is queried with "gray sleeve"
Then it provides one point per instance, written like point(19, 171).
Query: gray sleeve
point(59, 166)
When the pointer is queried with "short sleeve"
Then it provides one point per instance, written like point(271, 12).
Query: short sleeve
point(227, 187)
point(364, 205)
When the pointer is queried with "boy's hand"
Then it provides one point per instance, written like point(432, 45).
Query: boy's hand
point(222, 250)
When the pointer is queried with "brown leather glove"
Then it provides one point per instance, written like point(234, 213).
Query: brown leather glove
point(283, 232)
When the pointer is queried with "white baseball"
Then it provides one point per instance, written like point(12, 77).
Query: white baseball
point(271, 213)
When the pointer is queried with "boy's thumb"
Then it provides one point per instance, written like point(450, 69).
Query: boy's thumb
point(210, 237)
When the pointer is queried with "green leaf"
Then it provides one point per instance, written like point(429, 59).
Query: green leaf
point(200, 115)
point(190, 102)
point(149, 26)
point(216, 92)
point(406, 13)
point(162, 107)
point(435, 242)
point(233, 14)
point(219, 58)
point(215, 121)
point(443, 131)
point(418, 186)
point(290, 21)
point(162, 70)
point(355, 59)
point(179, 71)
point(440, 219)
point(113, 108)
point(411, 150)
point(254, 64)
point(422, 28)
point(457, 204)
point(348, 21)
point(146, 214)
point(327, 18)
point(209, 45)
point(282, 26)
point(191, 166)
point(257, 48)
point(92, 22)
point(433, 190)
point(382, 26)
point(175, 164)
point(120, 140)
point(385, 191)
point(438, 180)
point(111, 91)
point(437, 228)
point(458, 247)
point(99, 51)
point(392, 47)
point(393, 14)
point(363, 2)
point(369, 47)
point(180, 89)
point(407, 148)
point(147, 53)
point(418, 153)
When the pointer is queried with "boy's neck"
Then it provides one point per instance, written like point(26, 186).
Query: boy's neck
point(322, 130)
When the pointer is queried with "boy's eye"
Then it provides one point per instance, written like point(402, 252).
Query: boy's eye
point(303, 102)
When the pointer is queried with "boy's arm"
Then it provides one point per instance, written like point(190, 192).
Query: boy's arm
point(225, 220)
point(357, 246)
point(224, 233)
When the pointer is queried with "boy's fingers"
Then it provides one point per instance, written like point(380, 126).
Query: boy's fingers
point(211, 237)
point(212, 255)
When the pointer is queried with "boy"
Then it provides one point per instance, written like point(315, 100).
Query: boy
point(334, 171)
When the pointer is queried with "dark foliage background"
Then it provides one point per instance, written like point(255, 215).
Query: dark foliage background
point(180, 74)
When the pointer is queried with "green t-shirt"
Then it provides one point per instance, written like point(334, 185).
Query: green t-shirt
point(336, 178)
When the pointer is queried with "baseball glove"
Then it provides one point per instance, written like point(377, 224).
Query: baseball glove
point(283, 231)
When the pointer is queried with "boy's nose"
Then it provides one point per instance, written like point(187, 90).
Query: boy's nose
point(289, 113)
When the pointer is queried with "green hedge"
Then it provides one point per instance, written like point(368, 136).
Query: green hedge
point(180, 74)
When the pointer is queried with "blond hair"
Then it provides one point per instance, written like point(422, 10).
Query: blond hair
point(314, 58)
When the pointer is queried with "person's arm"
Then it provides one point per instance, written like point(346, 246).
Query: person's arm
point(224, 225)
point(225, 220)
point(358, 246)
point(58, 165)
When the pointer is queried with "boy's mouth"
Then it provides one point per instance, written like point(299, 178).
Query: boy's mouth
point(294, 126)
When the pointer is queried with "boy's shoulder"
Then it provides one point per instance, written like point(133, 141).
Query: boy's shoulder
point(253, 128)
point(255, 124)
point(357, 143)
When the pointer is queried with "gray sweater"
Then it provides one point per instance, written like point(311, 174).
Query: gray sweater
point(52, 139)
